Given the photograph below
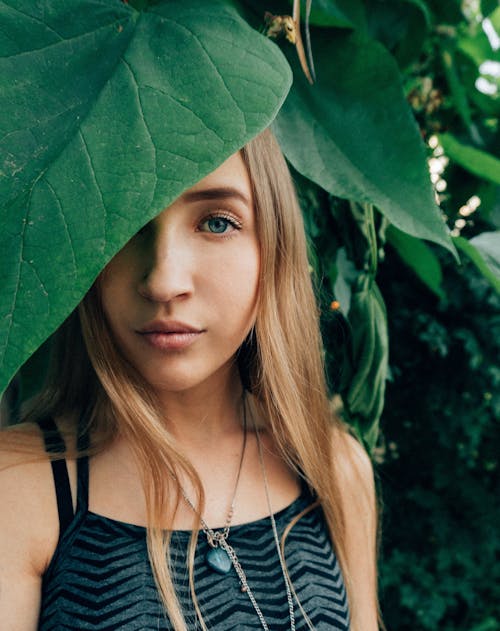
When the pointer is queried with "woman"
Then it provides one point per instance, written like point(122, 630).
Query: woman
point(190, 384)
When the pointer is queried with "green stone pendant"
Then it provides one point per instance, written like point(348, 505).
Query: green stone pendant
point(218, 559)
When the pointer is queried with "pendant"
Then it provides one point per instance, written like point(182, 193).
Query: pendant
point(218, 559)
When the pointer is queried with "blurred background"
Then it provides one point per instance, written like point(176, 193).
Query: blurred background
point(438, 447)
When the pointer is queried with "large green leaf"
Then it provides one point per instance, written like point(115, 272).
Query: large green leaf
point(479, 162)
point(354, 134)
point(401, 25)
point(108, 114)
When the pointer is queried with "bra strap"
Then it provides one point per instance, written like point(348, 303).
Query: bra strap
point(83, 444)
point(54, 443)
point(82, 501)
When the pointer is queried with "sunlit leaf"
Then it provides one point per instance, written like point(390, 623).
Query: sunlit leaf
point(479, 162)
point(475, 54)
point(477, 46)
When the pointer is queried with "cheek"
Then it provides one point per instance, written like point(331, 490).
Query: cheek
point(244, 271)
point(113, 292)
point(109, 292)
point(116, 279)
point(240, 287)
point(227, 281)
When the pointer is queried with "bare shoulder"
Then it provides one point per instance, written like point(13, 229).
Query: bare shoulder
point(357, 486)
point(354, 465)
point(29, 525)
point(28, 515)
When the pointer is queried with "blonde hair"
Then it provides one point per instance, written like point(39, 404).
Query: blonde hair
point(280, 362)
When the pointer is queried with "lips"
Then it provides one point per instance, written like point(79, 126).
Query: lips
point(169, 326)
point(166, 335)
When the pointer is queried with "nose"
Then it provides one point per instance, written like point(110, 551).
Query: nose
point(168, 266)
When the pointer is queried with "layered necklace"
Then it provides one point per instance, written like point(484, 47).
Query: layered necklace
point(221, 556)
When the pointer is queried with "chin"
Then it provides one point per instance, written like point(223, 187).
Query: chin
point(172, 381)
point(168, 383)
point(188, 379)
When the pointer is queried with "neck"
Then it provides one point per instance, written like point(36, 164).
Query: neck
point(201, 415)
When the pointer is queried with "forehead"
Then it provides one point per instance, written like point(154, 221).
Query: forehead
point(231, 174)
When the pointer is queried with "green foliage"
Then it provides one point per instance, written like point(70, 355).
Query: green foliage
point(420, 257)
point(118, 130)
point(474, 160)
point(358, 103)
point(484, 250)
point(401, 25)
point(368, 318)
point(440, 477)
point(339, 13)
point(101, 131)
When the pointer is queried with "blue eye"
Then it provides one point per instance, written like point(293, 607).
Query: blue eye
point(218, 224)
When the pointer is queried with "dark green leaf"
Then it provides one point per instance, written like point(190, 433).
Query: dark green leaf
point(354, 134)
point(401, 25)
point(449, 12)
point(488, 6)
point(339, 13)
point(474, 160)
point(419, 257)
point(108, 114)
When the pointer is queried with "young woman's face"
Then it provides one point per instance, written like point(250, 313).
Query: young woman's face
point(181, 296)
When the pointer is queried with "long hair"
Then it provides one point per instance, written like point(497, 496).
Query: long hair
point(281, 364)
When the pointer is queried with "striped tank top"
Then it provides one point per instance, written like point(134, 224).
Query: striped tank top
point(100, 577)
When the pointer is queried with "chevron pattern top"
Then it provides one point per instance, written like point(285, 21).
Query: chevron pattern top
point(100, 577)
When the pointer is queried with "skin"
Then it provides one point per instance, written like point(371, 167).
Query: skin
point(197, 263)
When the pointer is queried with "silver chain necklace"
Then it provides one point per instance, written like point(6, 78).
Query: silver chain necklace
point(218, 558)
point(220, 549)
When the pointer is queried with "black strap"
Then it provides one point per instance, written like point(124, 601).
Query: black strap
point(83, 444)
point(54, 443)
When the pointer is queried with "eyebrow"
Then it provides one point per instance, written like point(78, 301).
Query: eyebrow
point(221, 192)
